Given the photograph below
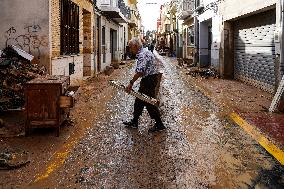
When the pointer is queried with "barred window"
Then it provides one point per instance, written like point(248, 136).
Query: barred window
point(69, 28)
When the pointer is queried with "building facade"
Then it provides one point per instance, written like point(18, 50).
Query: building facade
point(113, 29)
point(186, 30)
point(69, 37)
point(167, 28)
point(251, 41)
point(242, 40)
point(60, 41)
point(133, 30)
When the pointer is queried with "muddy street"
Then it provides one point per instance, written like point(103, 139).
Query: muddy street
point(211, 112)
point(199, 149)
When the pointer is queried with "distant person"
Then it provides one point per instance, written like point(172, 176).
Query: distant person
point(151, 47)
point(127, 52)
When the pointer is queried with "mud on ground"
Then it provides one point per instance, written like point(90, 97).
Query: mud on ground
point(92, 97)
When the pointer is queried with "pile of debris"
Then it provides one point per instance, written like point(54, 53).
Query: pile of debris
point(186, 62)
point(203, 72)
point(108, 70)
point(15, 70)
point(12, 159)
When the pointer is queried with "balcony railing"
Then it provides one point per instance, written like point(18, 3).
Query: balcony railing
point(125, 10)
point(111, 3)
point(116, 9)
point(185, 8)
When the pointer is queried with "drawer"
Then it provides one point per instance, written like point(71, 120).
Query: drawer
point(66, 102)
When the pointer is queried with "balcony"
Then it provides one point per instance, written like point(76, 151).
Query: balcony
point(134, 19)
point(115, 9)
point(132, 23)
point(185, 9)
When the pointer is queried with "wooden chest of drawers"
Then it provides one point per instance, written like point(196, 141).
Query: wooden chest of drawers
point(43, 102)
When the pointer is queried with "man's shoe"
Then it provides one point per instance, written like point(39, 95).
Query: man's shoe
point(131, 124)
point(157, 128)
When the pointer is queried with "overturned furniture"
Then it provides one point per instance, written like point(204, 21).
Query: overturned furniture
point(47, 102)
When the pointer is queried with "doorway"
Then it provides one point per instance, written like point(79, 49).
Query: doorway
point(209, 43)
point(205, 43)
point(104, 43)
point(113, 44)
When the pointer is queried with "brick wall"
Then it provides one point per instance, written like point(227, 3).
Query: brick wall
point(84, 63)
point(55, 24)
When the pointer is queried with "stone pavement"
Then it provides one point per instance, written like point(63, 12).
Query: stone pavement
point(250, 107)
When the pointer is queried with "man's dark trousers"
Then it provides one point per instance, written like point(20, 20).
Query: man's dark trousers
point(148, 85)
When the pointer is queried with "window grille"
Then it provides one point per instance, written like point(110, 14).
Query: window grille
point(69, 28)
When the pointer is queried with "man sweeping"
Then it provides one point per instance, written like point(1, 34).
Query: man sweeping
point(148, 69)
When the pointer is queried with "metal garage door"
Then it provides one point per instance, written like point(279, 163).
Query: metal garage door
point(255, 50)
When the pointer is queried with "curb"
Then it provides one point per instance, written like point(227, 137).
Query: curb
point(251, 130)
point(257, 136)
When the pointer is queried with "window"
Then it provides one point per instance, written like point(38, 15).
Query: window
point(103, 35)
point(167, 27)
point(69, 28)
point(190, 36)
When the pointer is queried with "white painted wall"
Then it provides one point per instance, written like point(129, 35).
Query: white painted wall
point(216, 41)
point(121, 43)
point(108, 25)
point(60, 66)
point(208, 13)
point(210, 17)
point(236, 8)
point(26, 25)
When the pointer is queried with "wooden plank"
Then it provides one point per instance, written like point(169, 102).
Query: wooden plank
point(277, 97)
point(44, 123)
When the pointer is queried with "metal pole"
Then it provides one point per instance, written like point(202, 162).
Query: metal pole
point(281, 34)
point(279, 93)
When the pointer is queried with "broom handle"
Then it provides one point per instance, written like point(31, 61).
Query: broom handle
point(141, 96)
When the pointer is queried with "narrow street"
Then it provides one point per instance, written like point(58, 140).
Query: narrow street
point(221, 94)
point(199, 149)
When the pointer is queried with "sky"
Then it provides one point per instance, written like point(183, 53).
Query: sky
point(150, 11)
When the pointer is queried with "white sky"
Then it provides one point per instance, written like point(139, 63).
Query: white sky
point(150, 12)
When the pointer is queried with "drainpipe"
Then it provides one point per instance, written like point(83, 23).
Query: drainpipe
point(196, 41)
point(94, 36)
point(177, 39)
point(281, 34)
